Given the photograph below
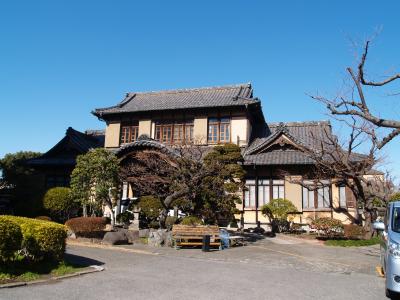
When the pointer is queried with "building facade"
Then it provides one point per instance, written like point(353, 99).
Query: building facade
point(274, 156)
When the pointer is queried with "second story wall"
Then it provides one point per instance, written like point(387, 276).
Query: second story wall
point(206, 128)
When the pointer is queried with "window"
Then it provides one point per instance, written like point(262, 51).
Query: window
point(129, 133)
point(263, 192)
point(316, 197)
point(174, 133)
point(250, 194)
point(342, 196)
point(267, 189)
point(219, 130)
point(278, 189)
point(308, 198)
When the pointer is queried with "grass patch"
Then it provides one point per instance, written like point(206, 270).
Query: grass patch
point(22, 270)
point(352, 243)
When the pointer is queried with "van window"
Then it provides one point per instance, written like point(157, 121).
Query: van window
point(396, 219)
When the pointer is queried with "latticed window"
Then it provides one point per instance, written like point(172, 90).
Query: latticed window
point(316, 195)
point(219, 130)
point(174, 133)
point(129, 133)
point(266, 188)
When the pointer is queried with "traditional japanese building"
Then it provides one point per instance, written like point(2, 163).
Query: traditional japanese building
point(56, 165)
point(273, 152)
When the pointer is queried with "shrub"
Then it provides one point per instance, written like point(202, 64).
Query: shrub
point(353, 231)
point(328, 226)
point(86, 226)
point(150, 207)
point(10, 239)
point(154, 224)
point(59, 203)
point(170, 221)
point(125, 217)
point(43, 218)
point(191, 221)
point(40, 239)
point(277, 211)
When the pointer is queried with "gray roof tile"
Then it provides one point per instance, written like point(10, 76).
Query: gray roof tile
point(232, 95)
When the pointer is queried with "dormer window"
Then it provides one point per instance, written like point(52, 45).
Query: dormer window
point(219, 130)
point(129, 133)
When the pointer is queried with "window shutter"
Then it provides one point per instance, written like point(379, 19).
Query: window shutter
point(351, 200)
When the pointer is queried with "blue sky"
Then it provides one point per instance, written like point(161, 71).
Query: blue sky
point(61, 59)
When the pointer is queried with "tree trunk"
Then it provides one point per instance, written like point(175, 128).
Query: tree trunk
point(367, 224)
point(163, 217)
point(84, 211)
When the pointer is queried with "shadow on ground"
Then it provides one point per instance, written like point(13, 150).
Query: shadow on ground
point(81, 260)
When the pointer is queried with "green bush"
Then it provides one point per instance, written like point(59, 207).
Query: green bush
point(10, 239)
point(170, 221)
point(150, 207)
point(86, 226)
point(277, 211)
point(43, 218)
point(40, 239)
point(328, 227)
point(59, 203)
point(191, 221)
point(125, 217)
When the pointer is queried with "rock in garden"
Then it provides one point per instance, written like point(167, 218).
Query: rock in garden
point(115, 238)
point(144, 233)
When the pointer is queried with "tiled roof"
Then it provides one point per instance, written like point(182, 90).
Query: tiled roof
point(288, 157)
point(305, 134)
point(72, 144)
point(232, 95)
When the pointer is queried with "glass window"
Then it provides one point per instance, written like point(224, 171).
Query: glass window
point(342, 196)
point(396, 219)
point(308, 198)
point(263, 192)
point(129, 133)
point(278, 189)
point(250, 194)
point(323, 197)
point(219, 130)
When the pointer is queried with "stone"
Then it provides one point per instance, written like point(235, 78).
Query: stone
point(144, 233)
point(131, 235)
point(155, 239)
point(115, 238)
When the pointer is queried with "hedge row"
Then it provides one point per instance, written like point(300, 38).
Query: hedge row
point(35, 239)
point(83, 226)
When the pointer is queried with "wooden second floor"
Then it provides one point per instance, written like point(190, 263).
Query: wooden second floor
point(207, 116)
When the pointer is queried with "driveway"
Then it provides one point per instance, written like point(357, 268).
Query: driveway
point(279, 268)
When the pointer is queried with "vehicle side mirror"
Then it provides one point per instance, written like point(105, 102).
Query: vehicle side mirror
point(380, 226)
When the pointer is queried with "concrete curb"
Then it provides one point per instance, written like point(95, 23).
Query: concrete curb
point(76, 274)
point(107, 247)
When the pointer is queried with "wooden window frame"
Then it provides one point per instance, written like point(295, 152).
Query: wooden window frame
point(218, 123)
point(270, 184)
point(186, 126)
point(133, 134)
point(316, 206)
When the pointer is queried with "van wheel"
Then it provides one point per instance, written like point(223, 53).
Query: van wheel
point(392, 295)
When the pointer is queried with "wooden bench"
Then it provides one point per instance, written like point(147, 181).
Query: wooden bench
point(184, 235)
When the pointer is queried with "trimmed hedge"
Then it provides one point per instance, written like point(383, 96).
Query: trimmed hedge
point(84, 226)
point(191, 221)
point(10, 239)
point(59, 203)
point(353, 231)
point(40, 239)
point(328, 226)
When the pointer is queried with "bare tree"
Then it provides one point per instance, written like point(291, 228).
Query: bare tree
point(186, 172)
point(357, 105)
point(341, 163)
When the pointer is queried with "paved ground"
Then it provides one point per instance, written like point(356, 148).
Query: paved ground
point(279, 268)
